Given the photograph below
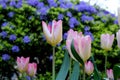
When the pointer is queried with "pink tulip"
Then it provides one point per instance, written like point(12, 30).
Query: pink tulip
point(110, 74)
point(107, 41)
point(83, 47)
point(89, 67)
point(118, 38)
point(53, 33)
point(72, 35)
point(32, 68)
point(22, 64)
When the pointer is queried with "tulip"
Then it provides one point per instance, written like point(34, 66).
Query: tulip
point(107, 41)
point(72, 35)
point(32, 68)
point(53, 33)
point(118, 38)
point(84, 47)
point(22, 64)
point(110, 74)
point(89, 67)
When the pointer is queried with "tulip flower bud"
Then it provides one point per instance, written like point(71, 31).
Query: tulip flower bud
point(110, 74)
point(89, 67)
point(107, 41)
point(22, 64)
point(118, 38)
point(53, 33)
point(32, 68)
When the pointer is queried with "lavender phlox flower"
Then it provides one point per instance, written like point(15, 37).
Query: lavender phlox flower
point(26, 39)
point(40, 5)
point(12, 37)
point(73, 22)
point(65, 36)
point(60, 16)
point(11, 14)
point(3, 34)
point(85, 18)
point(33, 2)
point(4, 24)
point(69, 14)
point(5, 57)
point(15, 48)
point(18, 4)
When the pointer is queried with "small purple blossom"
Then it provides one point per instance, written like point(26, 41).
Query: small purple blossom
point(85, 18)
point(12, 3)
point(28, 78)
point(32, 2)
point(12, 37)
point(86, 28)
point(60, 16)
point(15, 48)
point(73, 22)
point(18, 4)
point(26, 39)
point(52, 3)
point(90, 34)
point(65, 36)
point(69, 14)
point(43, 11)
point(3, 34)
point(3, 4)
point(5, 57)
point(4, 24)
point(40, 5)
point(116, 21)
point(64, 47)
point(11, 14)
point(51, 57)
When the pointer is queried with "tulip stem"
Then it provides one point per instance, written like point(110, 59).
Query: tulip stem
point(84, 72)
point(105, 64)
point(53, 65)
point(70, 67)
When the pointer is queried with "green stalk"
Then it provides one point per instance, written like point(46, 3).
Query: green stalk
point(53, 64)
point(70, 67)
point(105, 65)
point(84, 72)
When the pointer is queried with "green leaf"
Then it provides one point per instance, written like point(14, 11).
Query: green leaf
point(75, 54)
point(76, 71)
point(64, 68)
point(116, 71)
point(96, 72)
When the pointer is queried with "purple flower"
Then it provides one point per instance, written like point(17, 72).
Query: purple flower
point(26, 39)
point(11, 14)
point(60, 16)
point(3, 34)
point(116, 21)
point(73, 22)
point(18, 4)
point(86, 28)
point(5, 57)
point(12, 37)
point(40, 5)
point(15, 48)
point(43, 10)
point(82, 6)
point(4, 24)
point(63, 5)
point(3, 4)
point(85, 18)
point(28, 78)
point(12, 3)
point(89, 33)
point(64, 47)
point(43, 17)
point(32, 2)
point(52, 3)
point(51, 57)
point(65, 36)
point(69, 5)
point(69, 14)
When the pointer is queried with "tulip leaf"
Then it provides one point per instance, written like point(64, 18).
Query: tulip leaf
point(75, 54)
point(96, 72)
point(64, 68)
point(76, 71)
point(116, 71)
